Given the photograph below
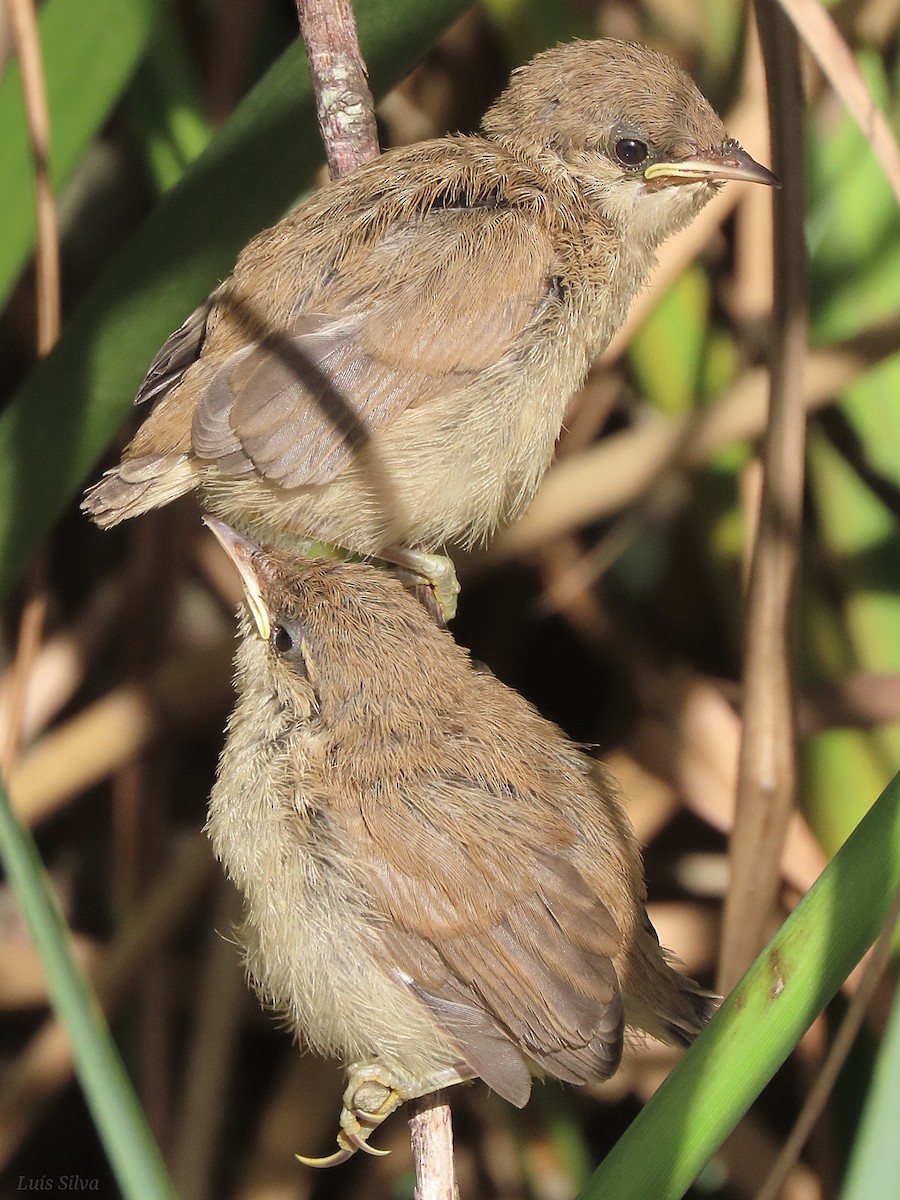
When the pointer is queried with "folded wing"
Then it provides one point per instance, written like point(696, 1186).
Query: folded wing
point(430, 308)
point(521, 974)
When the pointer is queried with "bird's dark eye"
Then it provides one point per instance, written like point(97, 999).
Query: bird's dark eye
point(630, 152)
point(282, 640)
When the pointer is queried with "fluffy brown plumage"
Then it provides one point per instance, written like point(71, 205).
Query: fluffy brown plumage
point(390, 364)
point(438, 884)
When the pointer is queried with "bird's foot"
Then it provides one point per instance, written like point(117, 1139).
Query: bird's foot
point(416, 567)
point(371, 1096)
point(373, 1093)
point(437, 570)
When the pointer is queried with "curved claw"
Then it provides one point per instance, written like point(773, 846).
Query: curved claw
point(357, 1142)
point(330, 1160)
point(362, 1144)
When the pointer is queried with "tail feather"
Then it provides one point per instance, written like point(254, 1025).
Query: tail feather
point(695, 1007)
point(660, 1000)
point(137, 485)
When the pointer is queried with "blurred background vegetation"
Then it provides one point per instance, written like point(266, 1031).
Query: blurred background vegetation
point(615, 605)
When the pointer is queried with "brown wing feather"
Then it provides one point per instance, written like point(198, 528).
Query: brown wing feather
point(298, 405)
point(178, 352)
point(516, 976)
point(295, 409)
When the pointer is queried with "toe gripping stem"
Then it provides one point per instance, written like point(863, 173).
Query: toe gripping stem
point(367, 1102)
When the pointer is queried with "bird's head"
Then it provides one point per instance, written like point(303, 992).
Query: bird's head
point(341, 642)
point(625, 122)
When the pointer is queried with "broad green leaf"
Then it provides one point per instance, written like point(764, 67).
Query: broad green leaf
point(90, 52)
point(803, 966)
point(130, 1148)
point(875, 1164)
point(164, 100)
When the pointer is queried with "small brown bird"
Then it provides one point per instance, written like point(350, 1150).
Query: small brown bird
point(439, 886)
point(388, 367)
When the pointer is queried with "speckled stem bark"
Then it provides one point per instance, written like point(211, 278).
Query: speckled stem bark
point(344, 103)
point(431, 1136)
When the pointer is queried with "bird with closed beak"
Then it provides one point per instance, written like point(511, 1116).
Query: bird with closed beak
point(438, 885)
point(387, 369)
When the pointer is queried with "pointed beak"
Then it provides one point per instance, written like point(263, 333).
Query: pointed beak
point(242, 551)
point(733, 162)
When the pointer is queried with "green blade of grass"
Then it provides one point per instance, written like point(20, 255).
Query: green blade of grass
point(57, 425)
point(130, 1148)
point(790, 983)
point(90, 52)
point(875, 1164)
